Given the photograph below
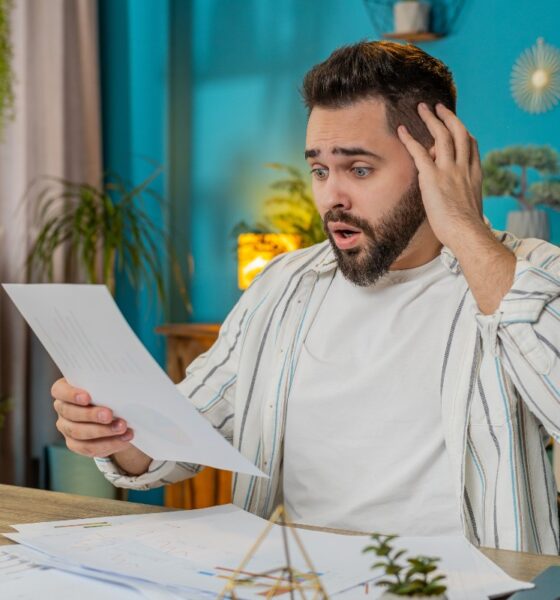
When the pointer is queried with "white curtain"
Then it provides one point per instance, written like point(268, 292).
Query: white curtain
point(56, 132)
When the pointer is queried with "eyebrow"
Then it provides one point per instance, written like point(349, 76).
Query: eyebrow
point(353, 151)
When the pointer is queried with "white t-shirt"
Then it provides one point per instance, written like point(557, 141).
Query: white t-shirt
point(364, 447)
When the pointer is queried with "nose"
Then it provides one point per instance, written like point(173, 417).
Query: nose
point(333, 195)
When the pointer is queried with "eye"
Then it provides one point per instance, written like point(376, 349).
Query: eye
point(319, 173)
point(361, 171)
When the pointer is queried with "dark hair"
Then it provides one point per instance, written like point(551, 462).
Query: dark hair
point(401, 75)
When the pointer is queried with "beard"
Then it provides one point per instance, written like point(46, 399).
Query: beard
point(363, 265)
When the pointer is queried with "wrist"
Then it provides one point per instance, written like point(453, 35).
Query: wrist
point(132, 461)
point(469, 240)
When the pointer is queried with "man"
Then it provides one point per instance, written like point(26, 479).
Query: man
point(401, 376)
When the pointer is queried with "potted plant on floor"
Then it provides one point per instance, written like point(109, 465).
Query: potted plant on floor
point(418, 580)
point(506, 173)
point(411, 16)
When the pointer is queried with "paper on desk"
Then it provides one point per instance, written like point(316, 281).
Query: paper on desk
point(186, 548)
point(27, 559)
point(196, 549)
point(91, 343)
point(23, 580)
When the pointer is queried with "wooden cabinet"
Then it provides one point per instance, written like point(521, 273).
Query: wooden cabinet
point(184, 343)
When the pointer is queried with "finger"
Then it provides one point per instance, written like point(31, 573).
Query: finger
point(419, 154)
point(100, 448)
point(476, 172)
point(62, 390)
point(445, 149)
point(90, 431)
point(461, 137)
point(475, 153)
point(83, 414)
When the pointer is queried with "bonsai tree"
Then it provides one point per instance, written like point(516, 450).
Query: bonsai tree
point(289, 210)
point(412, 581)
point(104, 229)
point(506, 174)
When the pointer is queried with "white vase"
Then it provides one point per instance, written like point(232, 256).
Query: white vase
point(411, 17)
point(531, 223)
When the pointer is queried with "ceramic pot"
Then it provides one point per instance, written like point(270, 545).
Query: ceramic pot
point(529, 224)
point(411, 17)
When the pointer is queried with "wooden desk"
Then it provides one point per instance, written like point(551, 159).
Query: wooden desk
point(26, 505)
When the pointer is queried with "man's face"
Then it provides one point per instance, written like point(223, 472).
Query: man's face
point(365, 186)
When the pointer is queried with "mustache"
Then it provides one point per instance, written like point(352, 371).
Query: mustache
point(340, 216)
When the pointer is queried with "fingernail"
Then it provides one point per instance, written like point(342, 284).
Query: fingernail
point(125, 437)
point(117, 425)
point(423, 105)
point(104, 416)
point(82, 398)
point(402, 128)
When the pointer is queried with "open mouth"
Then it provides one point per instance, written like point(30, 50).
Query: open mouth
point(344, 236)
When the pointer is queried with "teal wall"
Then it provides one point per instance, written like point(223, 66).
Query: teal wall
point(244, 61)
point(248, 59)
point(134, 52)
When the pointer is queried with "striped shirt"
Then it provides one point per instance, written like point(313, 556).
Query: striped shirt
point(499, 386)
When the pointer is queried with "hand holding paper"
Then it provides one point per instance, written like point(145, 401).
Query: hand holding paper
point(90, 341)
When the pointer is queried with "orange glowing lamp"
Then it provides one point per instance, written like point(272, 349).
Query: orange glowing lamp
point(256, 250)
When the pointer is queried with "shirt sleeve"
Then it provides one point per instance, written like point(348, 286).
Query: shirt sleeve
point(524, 332)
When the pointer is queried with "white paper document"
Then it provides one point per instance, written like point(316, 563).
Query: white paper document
point(17, 562)
point(23, 580)
point(198, 549)
point(92, 344)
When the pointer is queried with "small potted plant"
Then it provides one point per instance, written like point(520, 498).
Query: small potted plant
point(506, 173)
point(411, 16)
point(418, 580)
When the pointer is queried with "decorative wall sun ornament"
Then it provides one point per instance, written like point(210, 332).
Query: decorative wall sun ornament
point(535, 78)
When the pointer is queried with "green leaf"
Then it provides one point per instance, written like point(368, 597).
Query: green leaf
point(105, 229)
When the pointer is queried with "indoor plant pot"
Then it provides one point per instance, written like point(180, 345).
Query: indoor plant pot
point(532, 223)
point(411, 16)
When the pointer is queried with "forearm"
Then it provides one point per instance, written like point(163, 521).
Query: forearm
point(488, 266)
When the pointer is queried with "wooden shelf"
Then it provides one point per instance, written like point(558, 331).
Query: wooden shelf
point(426, 36)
